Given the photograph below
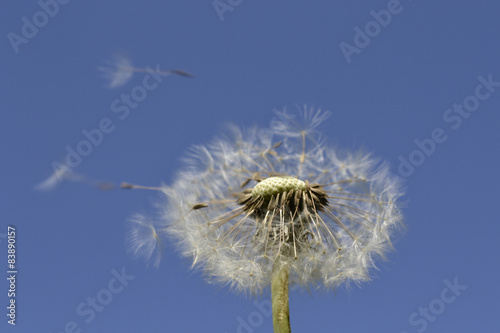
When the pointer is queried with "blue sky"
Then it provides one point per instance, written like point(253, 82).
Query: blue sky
point(422, 86)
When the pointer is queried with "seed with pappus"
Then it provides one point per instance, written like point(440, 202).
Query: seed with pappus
point(120, 71)
point(258, 197)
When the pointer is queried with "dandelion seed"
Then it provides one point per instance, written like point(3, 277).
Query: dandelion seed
point(144, 241)
point(66, 173)
point(54, 179)
point(132, 186)
point(282, 210)
point(200, 206)
point(121, 70)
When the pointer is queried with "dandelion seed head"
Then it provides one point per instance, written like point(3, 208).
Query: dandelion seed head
point(244, 202)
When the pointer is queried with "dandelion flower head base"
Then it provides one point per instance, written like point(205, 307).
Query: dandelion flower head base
point(245, 202)
point(275, 185)
point(281, 206)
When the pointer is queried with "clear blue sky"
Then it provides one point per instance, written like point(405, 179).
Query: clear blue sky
point(385, 93)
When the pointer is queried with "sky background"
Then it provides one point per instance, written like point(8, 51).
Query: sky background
point(247, 61)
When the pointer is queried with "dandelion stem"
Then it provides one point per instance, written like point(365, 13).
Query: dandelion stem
point(279, 296)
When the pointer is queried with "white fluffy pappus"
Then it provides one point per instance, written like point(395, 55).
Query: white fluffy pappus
point(118, 73)
point(144, 240)
point(258, 195)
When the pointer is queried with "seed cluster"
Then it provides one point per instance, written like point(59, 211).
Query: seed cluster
point(274, 198)
point(274, 185)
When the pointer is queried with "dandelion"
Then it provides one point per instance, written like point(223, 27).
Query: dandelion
point(63, 172)
point(281, 209)
point(121, 70)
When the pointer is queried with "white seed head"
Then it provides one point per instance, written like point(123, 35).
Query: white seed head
point(326, 214)
point(274, 185)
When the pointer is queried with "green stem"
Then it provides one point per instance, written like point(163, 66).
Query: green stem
point(279, 296)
